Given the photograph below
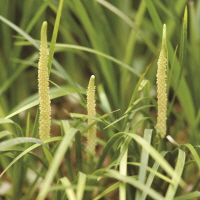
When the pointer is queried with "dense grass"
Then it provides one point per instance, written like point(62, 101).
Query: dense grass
point(119, 42)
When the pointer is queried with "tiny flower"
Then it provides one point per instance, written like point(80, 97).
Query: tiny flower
point(162, 87)
point(91, 137)
point(43, 85)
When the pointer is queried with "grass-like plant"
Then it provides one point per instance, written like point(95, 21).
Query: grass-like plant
point(119, 42)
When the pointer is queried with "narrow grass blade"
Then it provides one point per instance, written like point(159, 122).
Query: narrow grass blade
point(80, 187)
point(117, 12)
point(99, 53)
point(183, 42)
point(144, 162)
point(138, 84)
point(27, 151)
point(78, 146)
point(151, 177)
point(126, 179)
point(37, 15)
point(193, 152)
point(104, 102)
point(53, 95)
point(69, 191)
point(9, 121)
point(19, 140)
point(69, 165)
point(20, 31)
point(8, 82)
point(131, 42)
point(55, 33)
point(108, 147)
point(154, 172)
point(128, 21)
point(178, 170)
point(154, 16)
point(182, 55)
point(68, 137)
point(99, 44)
point(156, 155)
point(189, 196)
point(108, 190)
point(123, 170)
point(4, 134)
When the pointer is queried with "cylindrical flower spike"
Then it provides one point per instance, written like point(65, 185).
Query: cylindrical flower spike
point(43, 85)
point(91, 109)
point(162, 87)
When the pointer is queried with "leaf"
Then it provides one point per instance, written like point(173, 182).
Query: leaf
point(188, 196)
point(157, 157)
point(27, 151)
point(137, 184)
point(9, 121)
point(20, 140)
point(193, 152)
point(80, 187)
point(144, 158)
point(54, 94)
point(107, 148)
point(4, 134)
point(108, 190)
point(69, 191)
point(58, 156)
point(178, 170)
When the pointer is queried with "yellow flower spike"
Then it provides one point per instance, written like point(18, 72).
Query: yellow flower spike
point(162, 87)
point(91, 109)
point(43, 85)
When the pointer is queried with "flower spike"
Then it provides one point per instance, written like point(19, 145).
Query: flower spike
point(91, 138)
point(162, 87)
point(43, 85)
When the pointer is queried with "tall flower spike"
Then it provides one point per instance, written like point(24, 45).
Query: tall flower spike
point(43, 85)
point(91, 138)
point(162, 87)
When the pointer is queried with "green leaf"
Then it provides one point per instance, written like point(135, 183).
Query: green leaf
point(108, 190)
point(178, 170)
point(80, 187)
point(28, 150)
point(152, 175)
point(157, 157)
point(59, 154)
point(188, 196)
point(108, 147)
point(99, 53)
point(144, 158)
point(55, 33)
point(9, 121)
point(137, 184)
point(193, 152)
point(53, 95)
point(69, 191)
point(20, 31)
point(20, 140)
point(4, 134)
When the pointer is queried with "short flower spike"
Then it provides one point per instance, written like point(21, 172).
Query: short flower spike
point(91, 108)
point(43, 85)
point(162, 87)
